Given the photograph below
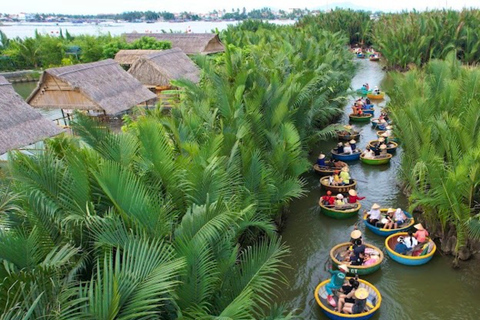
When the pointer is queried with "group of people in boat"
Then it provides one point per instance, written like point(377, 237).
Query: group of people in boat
point(357, 254)
point(340, 177)
point(416, 243)
point(360, 105)
point(339, 201)
point(347, 148)
point(332, 163)
point(393, 219)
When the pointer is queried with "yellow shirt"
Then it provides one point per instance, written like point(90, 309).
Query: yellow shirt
point(345, 177)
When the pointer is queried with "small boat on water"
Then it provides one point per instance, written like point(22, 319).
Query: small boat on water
point(378, 160)
point(360, 118)
point(376, 124)
point(374, 96)
point(374, 302)
point(419, 257)
point(391, 146)
point(347, 136)
point(363, 91)
point(386, 232)
point(327, 170)
point(369, 111)
point(344, 212)
point(391, 138)
point(340, 249)
point(337, 189)
point(374, 57)
point(361, 55)
point(346, 156)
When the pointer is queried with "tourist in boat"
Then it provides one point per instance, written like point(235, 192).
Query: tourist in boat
point(328, 199)
point(370, 259)
point(347, 292)
point(339, 202)
point(374, 215)
point(421, 234)
point(383, 150)
point(361, 295)
point(367, 86)
point(389, 221)
point(401, 247)
point(376, 91)
point(379, 142)
point(353, 196)
point(347, 149)
point(385, 136)
point(354, 235)
point(340, 147)
point(399, 218)
point(321, 160)
point(367, 101)
point(410, 241)
point(336, 282)
point(368, 153)
point(358, 254)
point(335, 180)
point(345, 176)
point(353, 145)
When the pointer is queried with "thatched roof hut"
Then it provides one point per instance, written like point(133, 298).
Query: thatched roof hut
point(20, 124)
point(128, 57)
point(190, 43)
point(101, 85)
point(158, 69)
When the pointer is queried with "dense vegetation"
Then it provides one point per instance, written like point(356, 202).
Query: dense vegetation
point(46, 51)
point(174, 217)
point(436, 113)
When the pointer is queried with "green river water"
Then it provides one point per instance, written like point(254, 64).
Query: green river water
point(432, 291)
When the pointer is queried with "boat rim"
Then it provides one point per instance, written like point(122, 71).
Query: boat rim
point(357, 267)
point(342, 186)
point(389, 156)
point(345, 315)
point(390, 250)
point(341, 211)
point(412, 222)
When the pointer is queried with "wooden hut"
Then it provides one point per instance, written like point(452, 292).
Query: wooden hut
point(102, 86)
point(128, 57)
point(156, 70)
point(20, 124)
point(190, 43)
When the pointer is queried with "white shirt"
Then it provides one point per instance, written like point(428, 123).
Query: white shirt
point(398, 215)
point(347, 149)
point(375, 214)
point(412, 243)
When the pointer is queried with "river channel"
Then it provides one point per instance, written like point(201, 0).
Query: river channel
point(431, 291)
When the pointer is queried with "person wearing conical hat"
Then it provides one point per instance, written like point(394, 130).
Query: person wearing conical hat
point(374, 215)
point(347, 295)
point(353, 196)
point(389, 220)
point(383, 149)
point(353, 145)
point(361, 295)
point(345, 176)
point(421, 234)
point(321, 160)
point(336, 282)
point(340, 200)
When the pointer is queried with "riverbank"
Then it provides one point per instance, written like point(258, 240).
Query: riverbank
point(22, 76)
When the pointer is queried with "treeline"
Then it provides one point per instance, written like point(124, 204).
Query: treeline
point(409, 38)
point(45, 51)
point(173, 218)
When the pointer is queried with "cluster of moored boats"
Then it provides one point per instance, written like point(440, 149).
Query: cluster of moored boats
point(371, 54)
point(334, 205)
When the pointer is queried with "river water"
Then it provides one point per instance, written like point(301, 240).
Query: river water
point(431, 291)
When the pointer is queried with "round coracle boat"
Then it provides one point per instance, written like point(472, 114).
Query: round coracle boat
point(374, 96)
point(418, 257)
point(374, 302)
point(391, 138)
point(347, 136)
point(337, 189)
point(327, 170)
point(378, 160)
point(369, 111)
point(386, 232)
point(365, 117)
point(391, 146)
point(340, 250)
point(344, 212)
point(346, 156)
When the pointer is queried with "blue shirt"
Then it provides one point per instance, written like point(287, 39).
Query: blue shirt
point(321, 162)
point(401, 248)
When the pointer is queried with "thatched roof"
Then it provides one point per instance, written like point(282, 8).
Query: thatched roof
point(20, 124)
point(128, 57)
point(158, 69)
point(101, 85)
point(190, 43)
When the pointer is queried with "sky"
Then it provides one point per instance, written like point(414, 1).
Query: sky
point(201, 6)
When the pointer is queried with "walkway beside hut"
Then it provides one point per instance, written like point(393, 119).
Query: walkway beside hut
point(20, 124)
point(190, 43)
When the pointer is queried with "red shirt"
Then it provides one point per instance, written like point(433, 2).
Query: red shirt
point(353, 199)
point(329, 199)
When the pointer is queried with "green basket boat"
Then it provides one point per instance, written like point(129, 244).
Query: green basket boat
point(360, 270)
point(363, 118)
point(391, 146)
point(378, 160)
point(335, 213)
